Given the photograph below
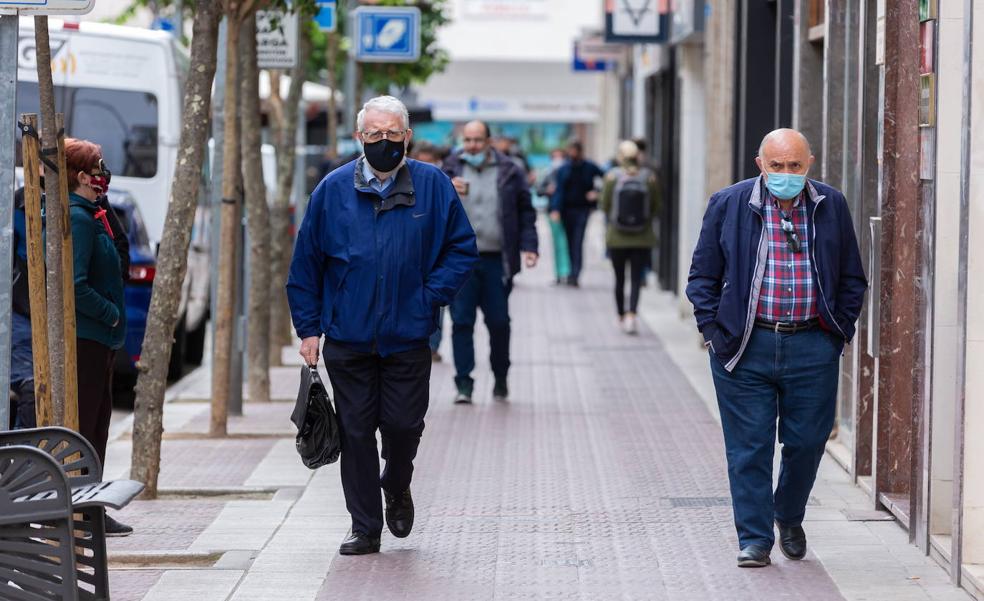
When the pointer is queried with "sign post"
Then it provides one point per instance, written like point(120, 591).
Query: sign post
point(8, 120)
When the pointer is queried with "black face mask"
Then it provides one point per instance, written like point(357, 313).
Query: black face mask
point(385, 155)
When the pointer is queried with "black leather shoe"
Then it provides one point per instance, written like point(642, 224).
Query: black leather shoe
point(753, 557)
point(792, 541)
point(359, 544)
point(399, 513)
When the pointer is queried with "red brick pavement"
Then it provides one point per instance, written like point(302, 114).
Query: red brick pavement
point(603, 478)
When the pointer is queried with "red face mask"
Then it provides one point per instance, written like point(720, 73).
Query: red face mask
point(100, 181)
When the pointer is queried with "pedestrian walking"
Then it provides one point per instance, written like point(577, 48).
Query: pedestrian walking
point(777, 285)
point(383, 244)
point(497, 200)
point(100, 313)
point(630, 200)
point(573, 201)
point(546, 188)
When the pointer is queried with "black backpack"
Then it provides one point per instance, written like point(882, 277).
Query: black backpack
point(631, 203)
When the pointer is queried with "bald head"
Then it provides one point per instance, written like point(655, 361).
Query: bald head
point(475, 137)
point(784, 151)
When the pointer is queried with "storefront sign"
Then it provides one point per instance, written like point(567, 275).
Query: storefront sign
point(276, 39)
point(637, 21)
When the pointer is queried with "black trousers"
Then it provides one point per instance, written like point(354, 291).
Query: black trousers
point(575, 223)
point(638, 260)
point(389, 394)
point(95, 373)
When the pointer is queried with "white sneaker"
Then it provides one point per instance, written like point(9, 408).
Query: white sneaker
point(629, 324)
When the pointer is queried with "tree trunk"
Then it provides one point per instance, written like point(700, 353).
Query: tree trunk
point(258, 222)
point(56, 218)
point(281, 241)
point(229, 231)
point(172, 258)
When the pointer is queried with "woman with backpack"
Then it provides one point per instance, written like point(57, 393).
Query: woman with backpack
point(630, 201)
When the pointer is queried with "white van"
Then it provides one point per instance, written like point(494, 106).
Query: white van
point(122, 88)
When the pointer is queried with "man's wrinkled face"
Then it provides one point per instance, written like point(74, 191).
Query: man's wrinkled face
point(785, 154)
point(474, 139)
point(388, 125)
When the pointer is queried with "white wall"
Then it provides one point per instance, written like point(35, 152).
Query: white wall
point(692, 161)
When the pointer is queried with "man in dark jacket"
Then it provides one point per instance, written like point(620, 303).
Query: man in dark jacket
point(777, 285)
point(496, 197)
point(573, 200)
point(384, 243)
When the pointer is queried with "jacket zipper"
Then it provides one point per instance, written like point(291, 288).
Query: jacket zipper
point(816, 270)
point(375, 236)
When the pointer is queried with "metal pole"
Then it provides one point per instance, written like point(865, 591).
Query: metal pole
point(8, 120)
point(351, 102)
point(215, 191)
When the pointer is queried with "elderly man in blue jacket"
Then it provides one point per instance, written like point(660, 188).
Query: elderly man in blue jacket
point(496, 197)
point(383, 245)
point(777, 285)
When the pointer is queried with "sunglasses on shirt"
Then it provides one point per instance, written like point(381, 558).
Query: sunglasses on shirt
point(792, 238)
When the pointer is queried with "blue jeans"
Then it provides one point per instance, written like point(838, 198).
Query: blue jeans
point(22, 371)
point(485, 288)
point(791, 378)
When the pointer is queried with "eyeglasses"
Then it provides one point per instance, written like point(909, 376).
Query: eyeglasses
point(792, 238)
point(392, 136)
point(103, 171)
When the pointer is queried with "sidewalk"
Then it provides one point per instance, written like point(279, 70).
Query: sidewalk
point(603, 478)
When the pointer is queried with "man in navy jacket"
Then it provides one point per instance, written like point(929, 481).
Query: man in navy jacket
point(383, 245)
point(777, 285)
point(496, 197)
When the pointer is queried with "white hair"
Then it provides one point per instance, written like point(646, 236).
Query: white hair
point(384, 104)
point(777, 133)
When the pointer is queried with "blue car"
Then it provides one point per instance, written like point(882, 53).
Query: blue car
point(143, 268)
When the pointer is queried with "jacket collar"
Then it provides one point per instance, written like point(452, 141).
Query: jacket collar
point(75, 200)
point(399, 193)
point(755, 201)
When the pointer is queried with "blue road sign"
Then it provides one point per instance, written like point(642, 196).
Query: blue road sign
point(387, 34)
point(326, 17)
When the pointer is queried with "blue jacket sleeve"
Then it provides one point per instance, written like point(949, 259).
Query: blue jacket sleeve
point(305, 280)
point(88, 301)
point(853, 283)
point(459, 253)
point(707, 268)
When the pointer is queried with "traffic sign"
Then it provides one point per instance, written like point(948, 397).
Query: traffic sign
point(327, 15)
point(387, 34)
point(46, 7)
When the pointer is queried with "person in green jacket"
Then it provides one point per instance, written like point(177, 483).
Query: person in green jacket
point(100, 314)
point(630, 201)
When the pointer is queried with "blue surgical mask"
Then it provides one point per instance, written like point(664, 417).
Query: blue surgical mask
point(785, 186)
point(474, 159)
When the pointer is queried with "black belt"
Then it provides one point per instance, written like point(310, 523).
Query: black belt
point(788, 327)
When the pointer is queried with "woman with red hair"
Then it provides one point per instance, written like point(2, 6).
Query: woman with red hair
point(100, 314)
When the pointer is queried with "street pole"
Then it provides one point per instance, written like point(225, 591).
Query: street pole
point(351, 102)
point(8, 121)
point(215, 189)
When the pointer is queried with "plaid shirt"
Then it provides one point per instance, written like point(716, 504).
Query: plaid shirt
point(787, 293)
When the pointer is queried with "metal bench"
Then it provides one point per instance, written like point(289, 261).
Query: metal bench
point(52, 516)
